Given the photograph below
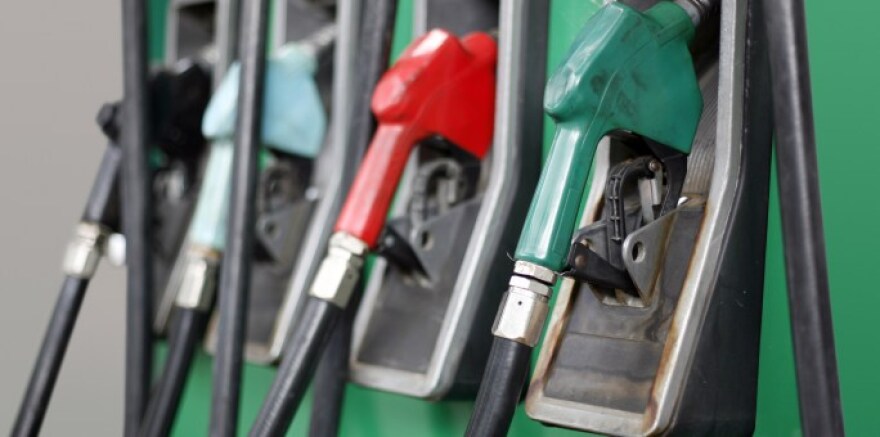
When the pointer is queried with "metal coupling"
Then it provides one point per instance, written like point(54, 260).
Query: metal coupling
point(530, 270)
point(525, 305)
point(340, 270)
point(84, 250)
point(199, 278)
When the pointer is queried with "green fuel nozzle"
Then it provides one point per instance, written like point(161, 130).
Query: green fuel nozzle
point(627, 71)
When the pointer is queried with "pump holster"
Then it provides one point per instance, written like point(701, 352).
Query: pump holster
point(654, 332)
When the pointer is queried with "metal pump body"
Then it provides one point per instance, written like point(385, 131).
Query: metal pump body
point(677, 352)
point(423, 329)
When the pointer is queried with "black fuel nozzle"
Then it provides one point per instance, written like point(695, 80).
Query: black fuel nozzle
point(180, 96)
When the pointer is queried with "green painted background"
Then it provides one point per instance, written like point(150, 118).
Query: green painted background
point(844, 60)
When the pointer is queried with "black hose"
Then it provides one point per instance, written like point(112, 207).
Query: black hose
point(136, 217)
point(374, 54)
point(102, 206)
point(45, 373)
point(236, 268)
point(309, 337)
point(99, 209)
point(162, 409)
point(500, 389)
point(804, 241)
point(332, 375)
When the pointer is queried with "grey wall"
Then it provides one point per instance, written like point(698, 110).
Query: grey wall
point(58, 61)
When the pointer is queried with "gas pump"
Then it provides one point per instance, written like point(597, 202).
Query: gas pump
point(169, 119)
point(643, 244)
point(440, 87)
point(685, 361)
point(656, 238)
point(362, 56)
point(292, 187)
point(422, 327)
point(294, 131)
point(179, 96)
point(294, 125)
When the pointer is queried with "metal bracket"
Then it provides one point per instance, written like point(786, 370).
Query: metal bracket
point(624, 255)
point(643, 253)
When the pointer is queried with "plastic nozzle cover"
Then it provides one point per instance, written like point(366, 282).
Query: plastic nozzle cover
point(294, 122)
point(294, 119)
point(626, 71)
point(441, 86)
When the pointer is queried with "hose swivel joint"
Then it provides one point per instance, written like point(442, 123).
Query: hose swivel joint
point(340, 270)
point(198, 280)
point(84, 250)
point(525, 306)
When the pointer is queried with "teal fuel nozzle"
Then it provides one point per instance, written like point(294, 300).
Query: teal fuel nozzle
point(627, 71)
point(294, 122)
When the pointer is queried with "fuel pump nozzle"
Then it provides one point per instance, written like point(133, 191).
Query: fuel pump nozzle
point(294, 123)
point(413, 102)
point(441, 86)
point(627, 71)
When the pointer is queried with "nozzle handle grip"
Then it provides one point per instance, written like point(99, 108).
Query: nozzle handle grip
point(441, 85)
point(553, 214)
point(364, 212)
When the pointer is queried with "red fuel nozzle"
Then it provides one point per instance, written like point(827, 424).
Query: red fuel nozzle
point(441, 85)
